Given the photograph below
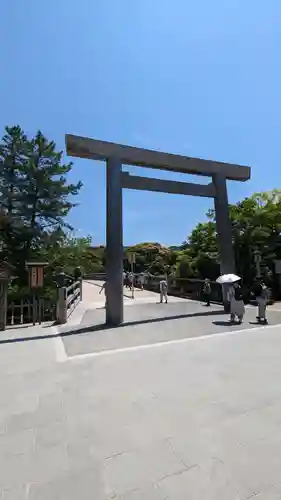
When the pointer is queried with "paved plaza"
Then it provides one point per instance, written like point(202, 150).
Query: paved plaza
point(151, 323)
point(174, 405)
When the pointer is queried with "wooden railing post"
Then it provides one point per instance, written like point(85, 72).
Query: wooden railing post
point(81, 289)
point(62, 306)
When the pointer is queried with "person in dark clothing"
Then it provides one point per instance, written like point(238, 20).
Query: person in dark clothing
point(207, 291)
point(163, 291)
point(77, 273)
point(260, 291)
point(127, 280)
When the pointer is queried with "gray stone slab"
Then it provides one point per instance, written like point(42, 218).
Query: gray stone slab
point(152, 323)
point(128, 471)
point(151, 492)
point(191, 420)
point(272, 493)
point(208, 480)
point(15, 493)
point(82, 484)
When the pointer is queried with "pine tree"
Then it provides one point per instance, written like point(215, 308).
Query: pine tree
point(12, 159)
point(45, 190)
point(35, 195)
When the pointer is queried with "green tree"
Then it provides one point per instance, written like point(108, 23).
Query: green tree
point(256, 225)
point(35, 195)
point(203, 239)
point(184, 267)
point(46, 191)
point(12, 158)
point(202, 250)
point(68, 252)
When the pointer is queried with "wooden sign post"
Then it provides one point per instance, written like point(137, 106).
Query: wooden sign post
point(36, 284)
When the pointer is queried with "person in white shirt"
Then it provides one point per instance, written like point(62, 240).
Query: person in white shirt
point(104, 289)
point(163, 291)
point(141, 281)
point(131, 281)
point(235, 297)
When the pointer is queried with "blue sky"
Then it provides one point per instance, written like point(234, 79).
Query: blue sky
point(196, 78)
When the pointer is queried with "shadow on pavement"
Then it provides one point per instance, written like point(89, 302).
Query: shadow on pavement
point(103, 326)
point(258, 323)
point(225, 323)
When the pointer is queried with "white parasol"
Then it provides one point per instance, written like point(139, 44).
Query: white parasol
point(228, 278)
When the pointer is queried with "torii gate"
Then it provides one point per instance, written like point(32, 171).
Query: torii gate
point(117, 155)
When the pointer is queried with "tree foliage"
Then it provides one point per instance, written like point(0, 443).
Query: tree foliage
point(68, 253)
point(256, 225)
point(36, 197)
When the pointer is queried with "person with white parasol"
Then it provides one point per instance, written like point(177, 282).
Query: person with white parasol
point(235, 295)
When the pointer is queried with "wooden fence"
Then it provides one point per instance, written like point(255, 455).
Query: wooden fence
point(31, 310)
point(38, 309)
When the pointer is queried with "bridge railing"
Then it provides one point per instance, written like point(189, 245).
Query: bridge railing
point(68, 298)
point(94, 276)
point(191, 288)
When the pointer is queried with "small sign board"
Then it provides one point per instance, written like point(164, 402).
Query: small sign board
point(36, 274)
point(36, 277)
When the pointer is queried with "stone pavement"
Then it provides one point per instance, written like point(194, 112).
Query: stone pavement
point(192, 416)
point(152, 323)
point(93, 299)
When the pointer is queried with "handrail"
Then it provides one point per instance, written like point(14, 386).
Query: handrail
point(73, 285)
point(68, 298)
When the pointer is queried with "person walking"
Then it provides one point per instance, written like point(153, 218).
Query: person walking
point(163, 291)
point(77, 273)
point(261, 294)
point(127, 280)
point(131, 281)
point(141, 280)
point(207, 291)
point(237, 307)
point(104, 289)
